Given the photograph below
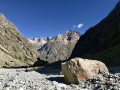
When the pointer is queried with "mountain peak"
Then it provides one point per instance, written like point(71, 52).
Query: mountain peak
point(60, 47)
point(70, 31)
point(2, 16)
point(49, 38)
point(2, 19)
point(118, 4)
point(6, 23)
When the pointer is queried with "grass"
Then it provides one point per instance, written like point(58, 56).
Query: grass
point(26, 60)
point(108, 56)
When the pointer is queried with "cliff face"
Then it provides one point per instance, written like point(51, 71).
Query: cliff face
point(103, 36)
point(14, 45)
point(39, 42)
point(60, 46)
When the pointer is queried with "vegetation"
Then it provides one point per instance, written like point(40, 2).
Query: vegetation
point(109, 56)
point(26, 60)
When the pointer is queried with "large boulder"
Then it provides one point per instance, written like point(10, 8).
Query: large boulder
point(78, 69)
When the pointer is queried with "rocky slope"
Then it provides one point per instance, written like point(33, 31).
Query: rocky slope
point(60, 46)
point(38, 42)
point(15, 49)
point(102, 41)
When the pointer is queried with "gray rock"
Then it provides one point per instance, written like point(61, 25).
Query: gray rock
point(38, 42)
point(60, 47)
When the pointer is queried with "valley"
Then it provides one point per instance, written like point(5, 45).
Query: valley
point(68, 61)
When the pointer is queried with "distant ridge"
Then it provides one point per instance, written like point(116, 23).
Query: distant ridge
point(60, 46)
point(39, 42)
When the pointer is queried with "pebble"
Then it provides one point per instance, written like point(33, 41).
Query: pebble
point(18, 79)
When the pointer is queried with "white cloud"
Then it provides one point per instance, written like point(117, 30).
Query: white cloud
point(78, 26)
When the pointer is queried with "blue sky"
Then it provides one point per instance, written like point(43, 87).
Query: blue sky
point(36, 18)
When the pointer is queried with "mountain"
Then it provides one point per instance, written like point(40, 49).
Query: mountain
point(38, 42)
point(102, 41)
point(60, 46)
point(15, 49)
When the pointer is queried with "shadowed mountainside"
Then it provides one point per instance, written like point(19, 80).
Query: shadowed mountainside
point(102, 41)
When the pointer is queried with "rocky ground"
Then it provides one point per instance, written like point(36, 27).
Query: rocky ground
point(50, 79)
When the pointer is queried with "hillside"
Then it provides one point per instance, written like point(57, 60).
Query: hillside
point(101, 37)
point(15, 49)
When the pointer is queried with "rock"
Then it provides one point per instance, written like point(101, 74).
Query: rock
point(60, 47)
point(79, 69)
point(9, 80)
point(38, 42)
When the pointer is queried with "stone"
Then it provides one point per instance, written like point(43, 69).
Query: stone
point(60, 47)
point(38, 42)
point(78, 69)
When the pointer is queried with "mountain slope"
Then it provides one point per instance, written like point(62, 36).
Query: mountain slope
point(17, 46)
point(6, 60)
point(60, 46)
point(38, 42)
point(100, 37)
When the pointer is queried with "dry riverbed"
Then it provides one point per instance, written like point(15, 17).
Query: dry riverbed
point(50, 79)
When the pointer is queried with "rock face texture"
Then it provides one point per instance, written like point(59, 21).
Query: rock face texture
point(14, 47)
point(103, 36)
point(60, 46)
point(7, 60)
point(79, 69)
point(38, 42)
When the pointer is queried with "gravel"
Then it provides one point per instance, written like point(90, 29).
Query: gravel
point(50, 79)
